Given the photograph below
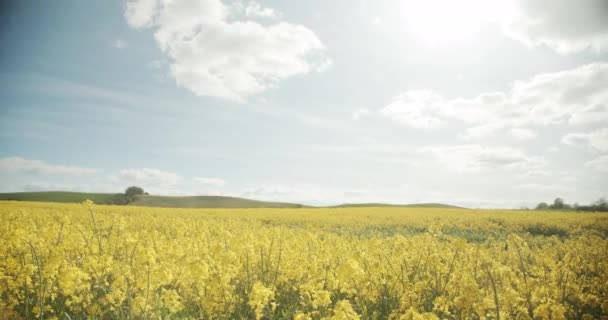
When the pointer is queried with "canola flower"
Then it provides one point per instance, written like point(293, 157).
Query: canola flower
point(84, 261)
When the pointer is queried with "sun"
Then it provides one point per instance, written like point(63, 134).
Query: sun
point(446, 22)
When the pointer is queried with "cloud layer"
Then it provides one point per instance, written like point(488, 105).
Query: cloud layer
point(564, 25)
point(596, 140)
point(573, 97)
point(219, 52)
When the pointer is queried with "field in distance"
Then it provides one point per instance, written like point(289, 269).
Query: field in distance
point(121, 262)
point(182, 201)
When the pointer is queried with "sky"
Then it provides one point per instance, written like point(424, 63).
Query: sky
point(500, 104)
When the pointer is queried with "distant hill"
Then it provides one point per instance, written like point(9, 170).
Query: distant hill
point(208, 202)
point(147, 201)
point(185, 202)
point(414, 205)
point(59, 196)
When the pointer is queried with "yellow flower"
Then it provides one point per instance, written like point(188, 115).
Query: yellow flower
point(344, 311)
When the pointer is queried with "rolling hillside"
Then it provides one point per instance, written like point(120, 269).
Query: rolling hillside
point(207, 202)
point(184, 202)
point(59, 196)
point(147, 201)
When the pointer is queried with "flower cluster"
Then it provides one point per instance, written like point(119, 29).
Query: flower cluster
point(112, 262)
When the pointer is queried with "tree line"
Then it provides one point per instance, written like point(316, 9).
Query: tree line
point(560, 204)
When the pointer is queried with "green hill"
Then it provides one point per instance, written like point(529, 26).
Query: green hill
point(146, 200)
point(207, 202)
point(59, 196)
point(184, 202)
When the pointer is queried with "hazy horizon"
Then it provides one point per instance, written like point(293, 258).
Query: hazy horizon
point(475, 103)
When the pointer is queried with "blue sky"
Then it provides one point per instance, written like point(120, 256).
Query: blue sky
point(309, 101)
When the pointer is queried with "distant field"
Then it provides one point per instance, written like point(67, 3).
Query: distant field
point(86, 261)
point(207, 202)
point(184, 202)
point(58, 196)
point(146, 200)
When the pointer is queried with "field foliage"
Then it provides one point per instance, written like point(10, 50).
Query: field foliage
point(85, 261)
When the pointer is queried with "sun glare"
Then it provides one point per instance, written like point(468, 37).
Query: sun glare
point(445, 22)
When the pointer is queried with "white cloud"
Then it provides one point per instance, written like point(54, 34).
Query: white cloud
point(420, 109)
point(428, 109)
point(119, 44)
point(522, 133)
point(148, 177)
point(213, 182)
point(254, 9)
point(574, 97)
point(212, 55)
point(564, 25)
point(596, 140)
point(599, 164)
point(141, 13)
point(481, 158)
point(39, 167)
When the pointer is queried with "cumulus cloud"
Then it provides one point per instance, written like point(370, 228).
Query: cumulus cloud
point(480, 158)
point(596, 140)
point(599, 164)
point(141, 13)
point(39, 167)
point(420, 109)
point(213, 54)
point(255, 10)
point(574, 97)
point(428, 109)
point(212, 182)
point(564, 25)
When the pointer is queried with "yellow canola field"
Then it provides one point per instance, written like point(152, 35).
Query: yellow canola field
point(84, 261)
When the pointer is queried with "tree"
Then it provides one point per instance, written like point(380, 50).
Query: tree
point(601, 205)
point(558, 203)
point(133, 191)
point(542, 206)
